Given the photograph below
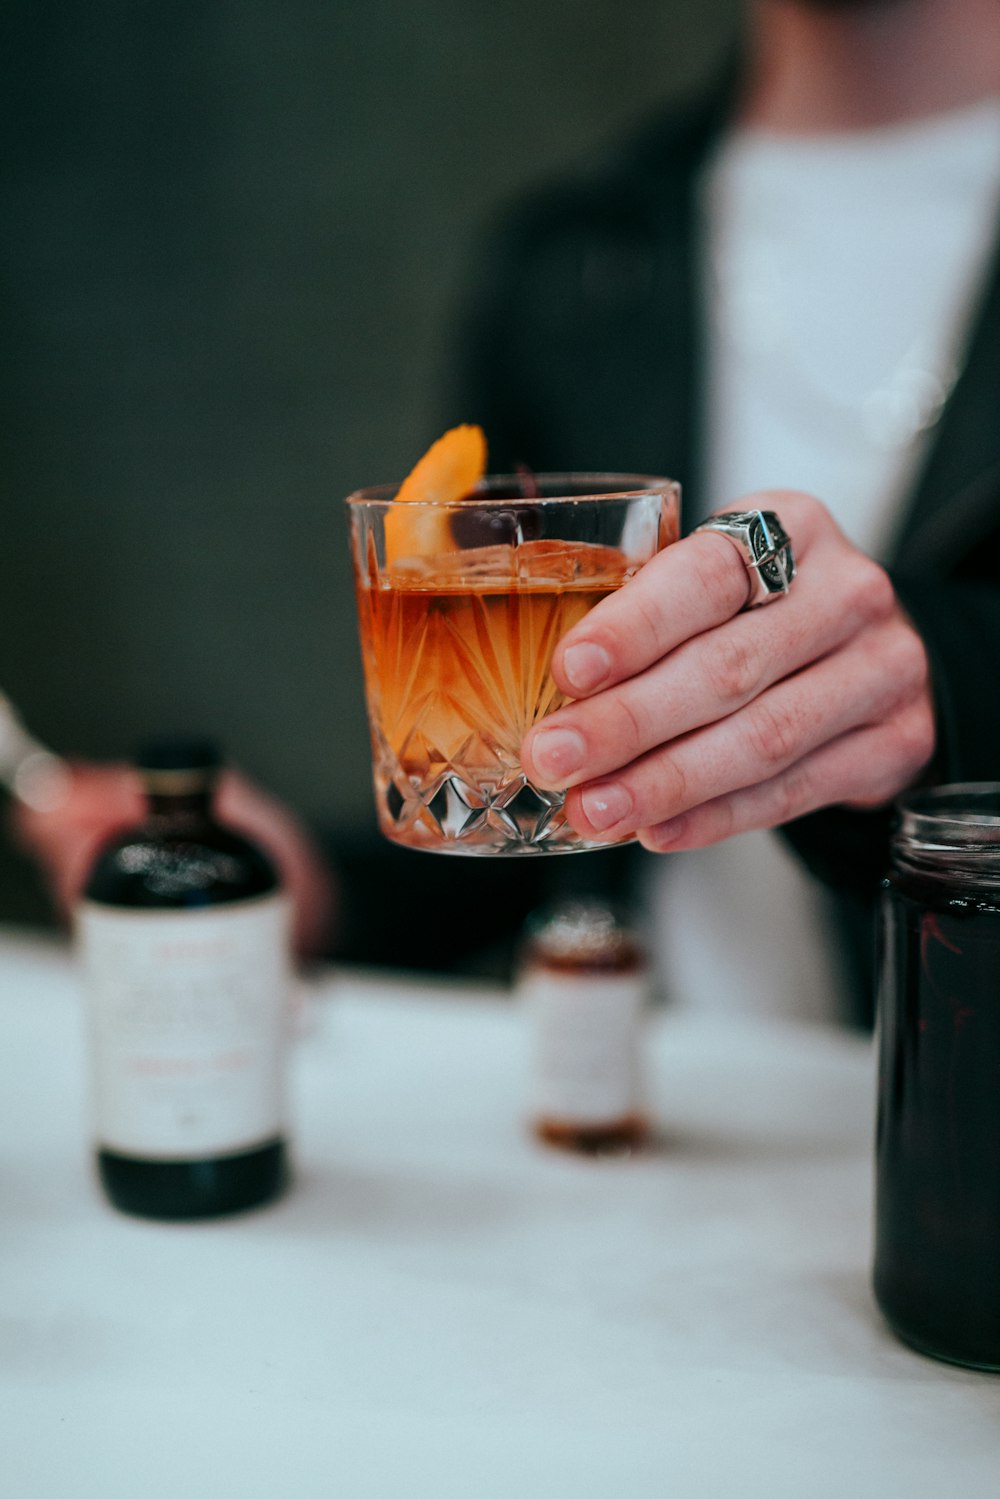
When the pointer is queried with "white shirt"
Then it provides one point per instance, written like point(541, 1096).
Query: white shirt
point(842, 276)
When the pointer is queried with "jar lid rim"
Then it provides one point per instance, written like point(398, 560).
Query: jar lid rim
point(964, 814)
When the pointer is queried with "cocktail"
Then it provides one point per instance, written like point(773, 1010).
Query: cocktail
point(461, 603)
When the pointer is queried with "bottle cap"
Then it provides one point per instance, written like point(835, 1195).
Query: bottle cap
point(178, 763)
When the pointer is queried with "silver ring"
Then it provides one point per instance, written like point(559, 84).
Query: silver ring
point(763, 543)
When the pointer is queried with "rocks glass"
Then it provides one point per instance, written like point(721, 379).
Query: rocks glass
point(460, 606)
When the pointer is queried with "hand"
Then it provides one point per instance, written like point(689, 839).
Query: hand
point(99, 801)
point(695, 720)
point(90, 805)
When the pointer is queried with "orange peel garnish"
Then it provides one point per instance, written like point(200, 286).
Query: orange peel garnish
point(449, 470)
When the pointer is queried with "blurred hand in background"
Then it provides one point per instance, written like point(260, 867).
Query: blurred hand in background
point(95, 802)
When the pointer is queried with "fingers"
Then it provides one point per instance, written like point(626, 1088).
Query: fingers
point(878, 674)
point(703, 681)
point(694, 719)
point(865, 768)
point(98, 801)
point(707, 678)
point(686, 589)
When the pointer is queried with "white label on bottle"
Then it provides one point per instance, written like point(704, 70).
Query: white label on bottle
point(586, 1045)
point(187, 1018)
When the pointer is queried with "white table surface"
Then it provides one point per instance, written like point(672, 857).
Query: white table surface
point(442, 1308)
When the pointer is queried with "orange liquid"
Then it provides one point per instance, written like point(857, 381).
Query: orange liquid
point(457, 653)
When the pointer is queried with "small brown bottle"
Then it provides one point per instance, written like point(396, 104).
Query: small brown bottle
point(584, 984)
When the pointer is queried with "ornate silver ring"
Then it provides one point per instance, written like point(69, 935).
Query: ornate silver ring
point(763, 543)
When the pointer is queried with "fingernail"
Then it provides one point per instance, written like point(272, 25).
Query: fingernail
point(586, 665)
point(606, 805)
point(557, 752)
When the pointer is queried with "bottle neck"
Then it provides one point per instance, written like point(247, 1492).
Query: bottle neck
point(196, 806)
point(179, 796)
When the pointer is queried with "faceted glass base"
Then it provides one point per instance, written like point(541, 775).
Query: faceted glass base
point(448, 815)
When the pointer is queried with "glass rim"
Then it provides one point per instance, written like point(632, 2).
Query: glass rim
point(962, 815)
point(610, 486)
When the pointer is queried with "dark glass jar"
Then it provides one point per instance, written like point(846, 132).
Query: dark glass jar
point(183, 932)
point(937, 1244)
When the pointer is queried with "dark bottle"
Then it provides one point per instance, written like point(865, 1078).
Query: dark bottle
point(584, 983)
point(937, 1248)
point(183, 935)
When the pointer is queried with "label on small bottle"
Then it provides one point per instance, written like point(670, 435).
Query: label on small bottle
point(187, 1018)
point(586, 1045)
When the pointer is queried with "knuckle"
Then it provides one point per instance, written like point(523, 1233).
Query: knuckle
point(870, 594)
point(631, 724)
point(773, 733)
point(672, 786)
point(650, 620)
point(918, 663)
point(896, 665)
point(913, 738)
point(904, 748)
point(908, 666)
point(788, 797)
point(733, 670)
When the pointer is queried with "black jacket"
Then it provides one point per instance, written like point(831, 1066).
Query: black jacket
point(581, 348)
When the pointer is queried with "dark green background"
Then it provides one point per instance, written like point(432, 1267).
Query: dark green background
point(230, 239)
